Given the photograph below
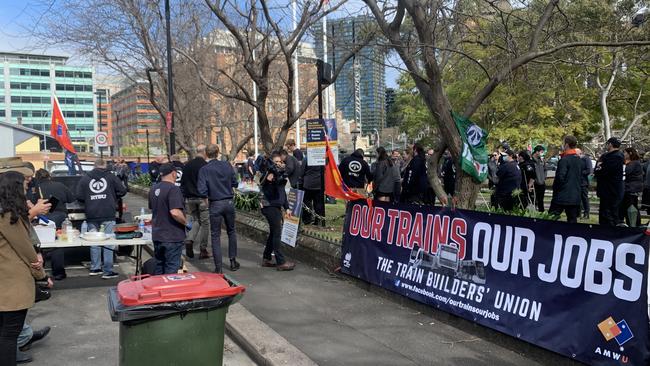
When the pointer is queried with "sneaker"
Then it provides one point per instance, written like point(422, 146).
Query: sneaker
point(109, 275)
point(95, 272)
point(234, 265)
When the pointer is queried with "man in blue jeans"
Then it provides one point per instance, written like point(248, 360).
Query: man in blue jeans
point(168, 222)
point(99, 191)
point(216, 182)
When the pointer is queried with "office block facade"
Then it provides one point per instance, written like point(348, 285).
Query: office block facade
point(342, 34)
point(27, 84)
point(133, 116)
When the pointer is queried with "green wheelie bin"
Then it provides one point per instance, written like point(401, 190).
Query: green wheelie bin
point(175, 319)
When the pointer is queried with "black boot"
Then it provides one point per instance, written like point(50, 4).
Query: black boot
point(234, 265)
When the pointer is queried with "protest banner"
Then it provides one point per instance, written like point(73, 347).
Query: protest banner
point(575, 289)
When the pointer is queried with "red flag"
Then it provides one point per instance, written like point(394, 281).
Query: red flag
point(334, 185)
point(59, 130)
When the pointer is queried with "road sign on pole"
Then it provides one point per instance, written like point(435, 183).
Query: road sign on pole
point(101, 139)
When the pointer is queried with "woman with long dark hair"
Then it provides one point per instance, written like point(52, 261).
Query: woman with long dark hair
point(17, 287)
point(633, 187)
point(385, 177)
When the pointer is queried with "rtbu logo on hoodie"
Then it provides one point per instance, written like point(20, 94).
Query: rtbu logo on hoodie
point(98, 187)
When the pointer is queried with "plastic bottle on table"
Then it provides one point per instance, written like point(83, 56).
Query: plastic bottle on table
point(68, 228)
point(84, 227)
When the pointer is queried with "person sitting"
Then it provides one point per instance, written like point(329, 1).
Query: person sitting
point(53, 190)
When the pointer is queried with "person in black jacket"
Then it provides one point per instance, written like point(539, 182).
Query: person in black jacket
point(355, 171)
point(633, 188)
point(567, 190)
point(178, 166)
point(274, 200)
point(610, 187)
point(47, 188)
point(154, 167)
point(196, 206)
point(99, 190)
point(415, 182)
point(508, 179)
point(527, 168)
point(293, 167)
point(311, 182)
point(587, 170)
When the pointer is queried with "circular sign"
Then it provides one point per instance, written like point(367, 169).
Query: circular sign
point(101, 139)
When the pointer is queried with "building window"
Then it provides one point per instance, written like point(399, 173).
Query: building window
point(78, 114)
point(28, 99)
point(2, 113)
point(73, 87)
point(64, 100)
point(30, 86)
point(29, 72)
point(73, 74)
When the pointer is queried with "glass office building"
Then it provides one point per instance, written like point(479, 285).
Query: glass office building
point(342, 34)
point(27, 83)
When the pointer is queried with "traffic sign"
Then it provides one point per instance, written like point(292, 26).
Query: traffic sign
point(101, 139)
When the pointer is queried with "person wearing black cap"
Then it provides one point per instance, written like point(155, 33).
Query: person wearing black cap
point(539, 186)
point(508, 179)
point(610, 187)
point(168, 220)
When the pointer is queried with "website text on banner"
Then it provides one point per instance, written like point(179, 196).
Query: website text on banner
point(574, 289)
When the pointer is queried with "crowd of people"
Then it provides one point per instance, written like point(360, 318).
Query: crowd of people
point(622, 182)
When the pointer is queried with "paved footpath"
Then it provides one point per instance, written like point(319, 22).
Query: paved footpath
point(336, 322)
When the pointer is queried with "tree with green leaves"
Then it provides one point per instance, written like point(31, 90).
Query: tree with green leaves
point(500, 40)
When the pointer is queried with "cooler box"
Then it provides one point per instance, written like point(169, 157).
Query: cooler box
point(174, 319)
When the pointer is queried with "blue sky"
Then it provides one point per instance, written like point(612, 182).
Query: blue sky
point(17, 17)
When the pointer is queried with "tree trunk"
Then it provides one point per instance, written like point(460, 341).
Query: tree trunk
point(467, 190)
point(607, 128)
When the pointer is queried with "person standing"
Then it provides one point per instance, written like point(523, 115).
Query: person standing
point(587, 170)
point(217, 179)
point(508, 179)
point(355, 171)
point(609, 182)
point(539, 186)
point(291, 148)
point(178, 166)
point(385, 177)
point(645, 202)
point(154, 167)
point(567, 190)
point(47, 188)
point(633, 188)
point(293, 168)
point(415, 183)
point(100, 191)
point(168, 221)
point(313, 200)
point(448, 175)
point(493, 166)
point(527, 168)
point(274, 200)
point(196, 206)
point(19, 266)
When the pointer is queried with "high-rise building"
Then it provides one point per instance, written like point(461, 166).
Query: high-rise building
point(342, 34)
point(391, 121)
point(134, 117)
point(27, 84)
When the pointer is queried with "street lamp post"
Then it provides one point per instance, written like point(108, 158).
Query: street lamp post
point(355, 134)
point(99, 112)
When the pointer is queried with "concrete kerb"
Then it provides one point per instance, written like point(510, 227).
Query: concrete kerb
point(262, 344)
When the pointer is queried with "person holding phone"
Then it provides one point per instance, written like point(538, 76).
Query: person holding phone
point(58, 195)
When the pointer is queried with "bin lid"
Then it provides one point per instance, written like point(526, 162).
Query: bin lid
point(146, 290)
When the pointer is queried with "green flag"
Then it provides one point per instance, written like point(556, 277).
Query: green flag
point(474, 158)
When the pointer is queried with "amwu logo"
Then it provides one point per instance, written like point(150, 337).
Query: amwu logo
point(347, 259)
point(620, 331)
point(97, 186)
